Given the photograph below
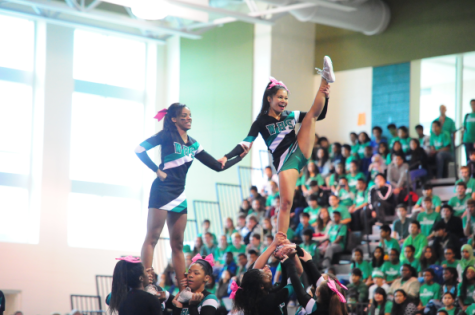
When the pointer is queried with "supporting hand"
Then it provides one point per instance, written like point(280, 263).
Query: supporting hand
point(162, 175)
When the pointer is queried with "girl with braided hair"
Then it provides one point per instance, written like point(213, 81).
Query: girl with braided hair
point(167, 196)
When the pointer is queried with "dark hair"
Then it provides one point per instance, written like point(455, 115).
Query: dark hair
point(399, 308)
point(313, 183)
point(308, 232)
point(401, 205)
point(397, 253)
point(313, 197)
point(268, 167)
point(206, 221)
point(173, 111)
point(436, 122)
point(427, 199)
point(412, 270)
point(242, 255)
point(346, 146)
point(206, 265)
point(427, 187)
point(464, 284)
point(461, 183)
point(337, 145)
point(419, 127)
point(380, 174)
point(375, 262)
point(454, 274)
point(443, 311)
point(416, 141)
point(321, 139)
point(439, 225)
point(305, 214)
point(447, 206)
point(411, 247)
point(393, 151)
point(416, 223)
point(386, 228)
point(353, 262)
point(470, 202)
point(336, 212)
point(381, 291)
point(252, 252)
point(377, 128)
point(126, 275)
point(256, 236)
point(336, 307)
point(386, 148)
point(357, 272)
point(430, 270)
point(269, 92)
point(307, 172)
point(324, 159)
point(391, 126)
point(368, 139)
point(253, 188)
point(403, 128)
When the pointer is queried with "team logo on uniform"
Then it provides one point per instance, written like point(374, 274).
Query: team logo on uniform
point(280, 126)
point(183, 149)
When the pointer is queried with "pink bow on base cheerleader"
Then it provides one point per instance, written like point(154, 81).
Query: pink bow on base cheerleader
point(274, 82)
point(332, 286)
point(159, 116)
point(234, 288)
point(209, 259)
point(130, 259)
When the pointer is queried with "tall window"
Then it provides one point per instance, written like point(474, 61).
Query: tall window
point(107, 124)
point(16, 117)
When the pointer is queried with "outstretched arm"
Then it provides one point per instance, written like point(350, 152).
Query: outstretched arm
point(303, 297)
point(264, 257)
point(246, 143)
point(205, 158)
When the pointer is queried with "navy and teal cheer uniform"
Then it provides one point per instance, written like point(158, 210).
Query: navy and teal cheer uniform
point(207, 306)
point(176, 159)
point(280, 138)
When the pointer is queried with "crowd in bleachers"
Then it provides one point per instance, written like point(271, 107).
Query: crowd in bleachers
point(411, 251)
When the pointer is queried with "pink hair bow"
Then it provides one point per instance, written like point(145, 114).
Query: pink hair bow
point(159, 116)
point(274, 82)
point(130, 259)
point(332, 286)
point(234, 288)
point(209, 259)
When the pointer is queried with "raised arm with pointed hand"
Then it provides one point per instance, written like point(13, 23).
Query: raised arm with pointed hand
point(279, 238)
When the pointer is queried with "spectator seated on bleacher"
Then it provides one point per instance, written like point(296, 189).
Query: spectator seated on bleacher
point(441, 148)
point(310, 245)
point(468, 220)
point(403, 138)
point(266, 227)
point(401, 224)
point(274, 193)
point(403, 303)
point(255, 243)
point(427, 192)
point(377, 138)
point(471, 163)
point(392, 267)
point(470, 310)
point(357, 289)
point(380, 303)
point(353, 176)
point(378, 165)
point(430, 259)
point(357, 208)
point(427, 217)
point(302, 227)
point(223, 284)
point(380, 200)
point(342, 210)
point(363, 265)
point(312, 209)
point(229, 229)
point(229, 264)
point(377, 259)
point(258, 209)
point(366, 161)
point(237, 247)
point(344, 193)
point(378, 278)
point(459, 201)
point(323, 162)
point(397, 176)
point(468, 180)
point(266, 189)
point(197, 245)
point(346, 152)
point(220, 251)
point(337, 239)
point(408, 282)
point(409, 258)
point(209, 247)
point(310, 173)
point(211, 285)
point(430, 290)
point(323, 221)
point(416, 239)
point(334, 178)
point(383, 150)
point(444, 239)
point(450, 260)
point(241, 222)
point(453, 224)
point(242, 265)
point(417, 160)
point(387, 242)
point(245, 207)
point(336, 156)
point(252, 226)
point(396, 149)
point(449, 308)
point(251, 258)
point(254, 195)
point(205, 226)
point(466, 287)
point(424, 140)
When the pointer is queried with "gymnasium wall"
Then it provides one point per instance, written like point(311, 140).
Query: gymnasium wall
point(216, 83)
point(418, 29)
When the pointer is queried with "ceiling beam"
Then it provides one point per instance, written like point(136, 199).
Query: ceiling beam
point(103, 16)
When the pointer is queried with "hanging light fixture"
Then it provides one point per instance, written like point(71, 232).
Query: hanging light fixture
point(150, 9)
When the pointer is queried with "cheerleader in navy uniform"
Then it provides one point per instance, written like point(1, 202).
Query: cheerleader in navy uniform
point(167, 196)
point(290, 151)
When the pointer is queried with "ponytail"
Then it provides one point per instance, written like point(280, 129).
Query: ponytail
point(174, 110)
point(126, 275)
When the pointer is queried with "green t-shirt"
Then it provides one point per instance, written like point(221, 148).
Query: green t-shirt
point(392, 243)
point(338, 230)
point(405, 144)
point(429, 292)
point(469, 125)
point(231, 248)
point(387, 308)
point(313, 213)
point(319, 179)
point(472, 223)
point(220, 253)
point(333, 182)
point(440, 141)
point(449, 312)
point(345, 214)
point(215, 240)
point(391, 142)
point(361, 197)
point(361, 147)
point(365, 268)
point(346, 199)
point(468, 296)
point(436, 202)
point(270, 199)
point(353, 179)
point(419, 242)
point(445, 264)
point(449, 124)
point(415, 263)
point(470, 310)
point(470, 186)
point(427, 221)
point(348, 162)
point(311, 248)
point(391, 272)
point(459, 205)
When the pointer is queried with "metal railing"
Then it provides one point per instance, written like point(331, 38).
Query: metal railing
point(229, 198)
point(103, 288)
point(207, 210)
point(87, 304)
point(246, 174)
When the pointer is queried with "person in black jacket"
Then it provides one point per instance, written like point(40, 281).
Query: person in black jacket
point(417, 159)
point(453, 224)
point(380, 202)
point(444, 239)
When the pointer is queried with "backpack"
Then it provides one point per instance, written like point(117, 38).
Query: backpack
point(439, 271)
